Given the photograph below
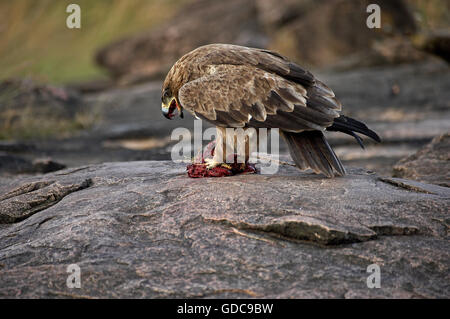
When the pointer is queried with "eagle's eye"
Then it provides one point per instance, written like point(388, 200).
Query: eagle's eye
point(166, 94)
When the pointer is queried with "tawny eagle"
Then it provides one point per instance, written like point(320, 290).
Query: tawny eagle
point(239, 87)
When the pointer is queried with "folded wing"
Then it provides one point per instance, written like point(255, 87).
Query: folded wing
point(242, 95)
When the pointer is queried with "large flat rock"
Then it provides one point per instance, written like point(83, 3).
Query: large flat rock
point(144, 229)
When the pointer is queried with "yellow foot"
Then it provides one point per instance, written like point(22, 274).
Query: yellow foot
point(211, 163)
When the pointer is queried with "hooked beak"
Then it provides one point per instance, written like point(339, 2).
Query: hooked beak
point(169, 110)
point(166, 112)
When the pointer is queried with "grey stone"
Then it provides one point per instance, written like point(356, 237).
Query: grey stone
point(437, 42)
point(46, 165)
point(11, 164)
point(29, 199)
point(144, 229)
point(34, 110)
point(430, 164)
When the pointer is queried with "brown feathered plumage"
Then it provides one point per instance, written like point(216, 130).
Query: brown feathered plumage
point(235, 86)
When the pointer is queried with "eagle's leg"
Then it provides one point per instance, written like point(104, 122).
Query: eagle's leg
point(219, 152)
point(218, 162)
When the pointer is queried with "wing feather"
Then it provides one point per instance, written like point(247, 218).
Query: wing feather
point(242, 95)
point(269, 61)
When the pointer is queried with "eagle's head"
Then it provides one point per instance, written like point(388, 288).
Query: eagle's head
point(170, 105)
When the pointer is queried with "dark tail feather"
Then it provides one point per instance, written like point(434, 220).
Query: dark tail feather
point(349, 126)
point(309, 149)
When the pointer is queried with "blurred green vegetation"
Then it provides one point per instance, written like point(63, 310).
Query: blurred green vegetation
point(35, 41)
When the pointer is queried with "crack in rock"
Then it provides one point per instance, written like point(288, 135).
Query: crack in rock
point(310, 229)
point(29, 199)
point(416, 186)
point(305, 228)
point(395, 230)
point(27, 188)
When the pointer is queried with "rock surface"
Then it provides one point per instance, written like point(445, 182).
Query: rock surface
point(143, 229)
point(12, 164)
point(431, 164)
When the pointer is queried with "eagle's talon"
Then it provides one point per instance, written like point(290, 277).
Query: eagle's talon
point(227, 166)
point(211, 163)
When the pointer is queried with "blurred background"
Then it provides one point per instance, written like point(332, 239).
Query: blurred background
point(72, 97)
